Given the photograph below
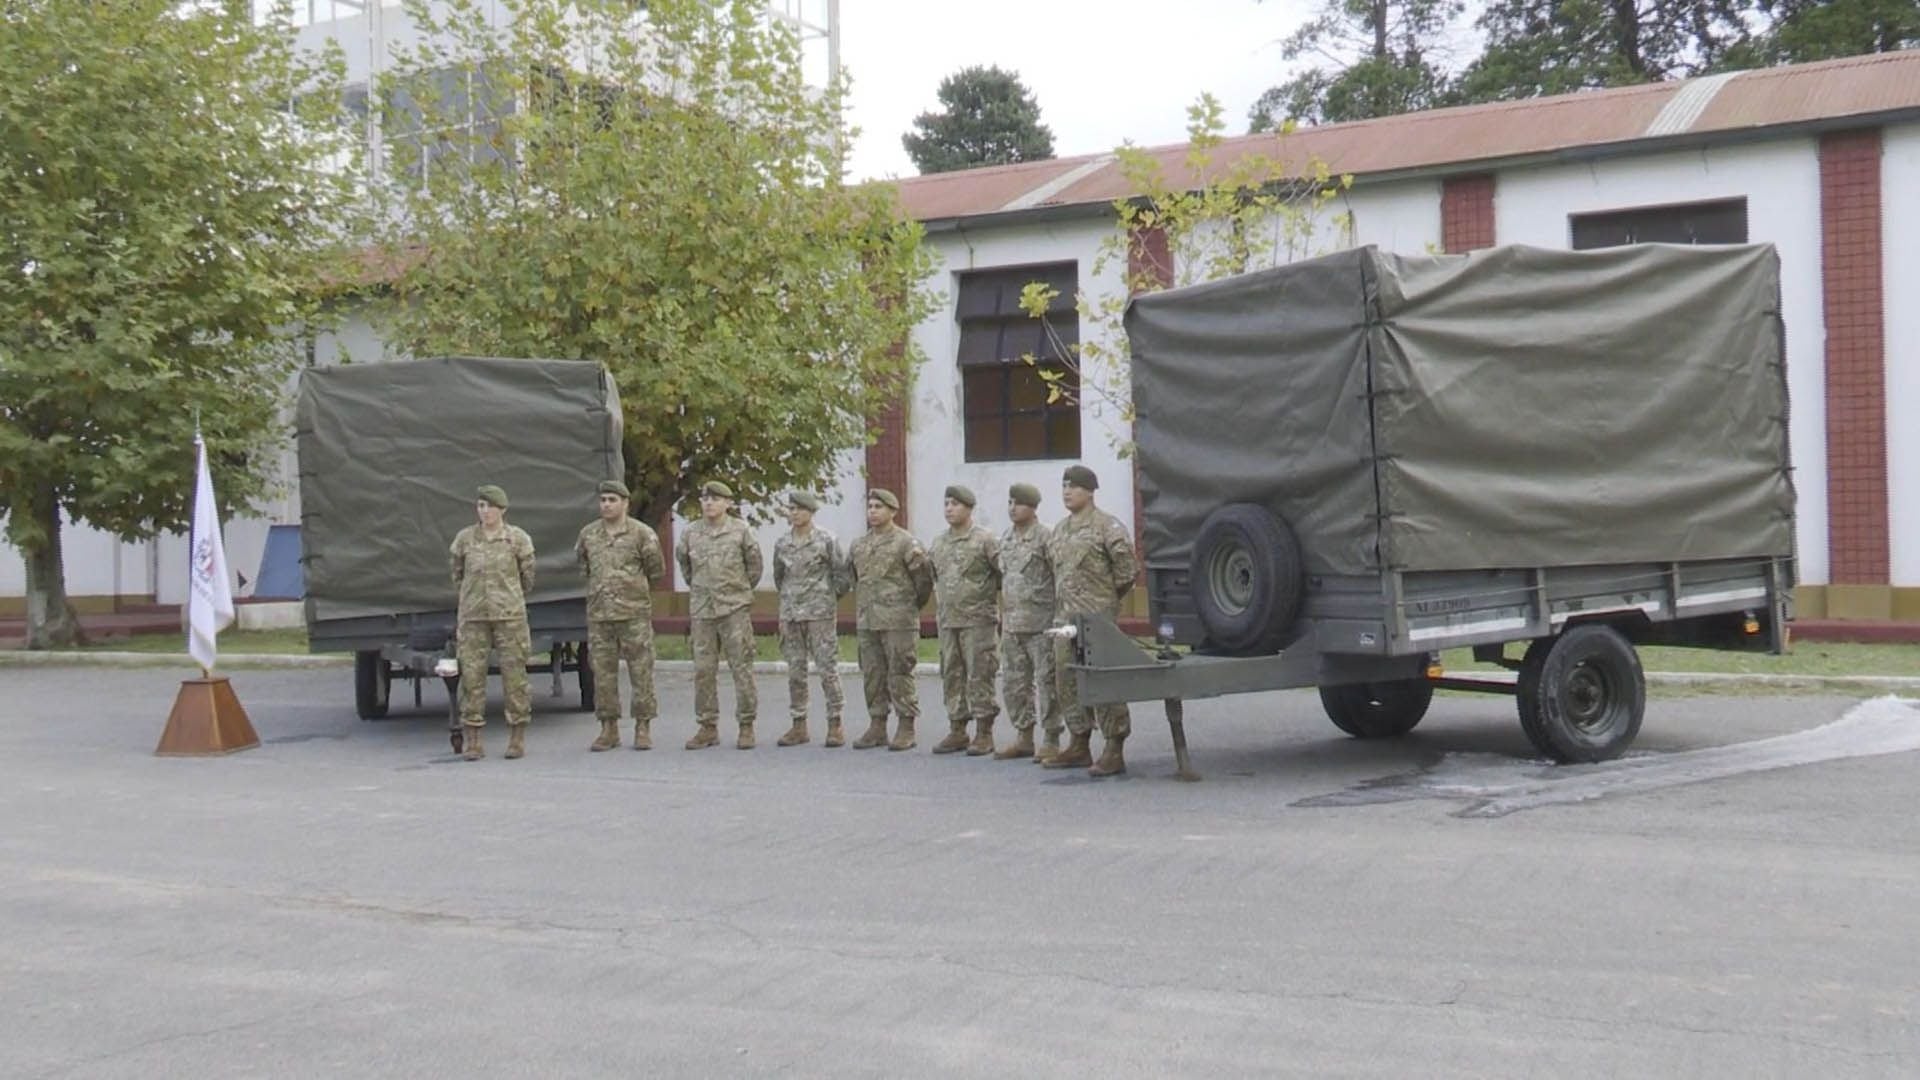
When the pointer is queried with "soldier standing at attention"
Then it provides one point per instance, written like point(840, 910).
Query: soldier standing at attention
point(966, 585)
point(1093, 568)
point(810, 574)
point(891, 582)
point(1026, 610)
point(721, 562)
point(493, 572)
point(621, 558)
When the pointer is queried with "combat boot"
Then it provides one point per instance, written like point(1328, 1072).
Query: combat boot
point(903, 736)
point(1112, 762)
point(1078, 754)
point(982, 743)
point(746, 740)
point(474, 751)
point(642, 735)
point(609, 736)
point(1022, 746)
point(836, 736)
point(516, 741)
point(875, 735)
point(1049, 748)
point(708, 735)
point(956, 739)
point(795, 735)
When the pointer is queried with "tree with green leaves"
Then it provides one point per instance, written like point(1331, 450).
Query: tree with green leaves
point(168, 210)
point(1214, 215)
point(988, 117)
point(1542, 47)
point(1371, 58)
point(1801, 31)
point(660, 191)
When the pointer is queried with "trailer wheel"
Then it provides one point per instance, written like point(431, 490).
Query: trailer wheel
point(372, 684)
point(1527, 694)
point(1377, 710)
point(1248, 579)
point(584, 659)
point(1586, 696)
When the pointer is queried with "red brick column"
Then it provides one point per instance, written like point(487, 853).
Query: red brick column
point(887, 454)
point(1852, 303)
point(1149, 264)
point(1466, 213)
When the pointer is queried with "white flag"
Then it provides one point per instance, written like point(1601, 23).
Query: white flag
point(209, 594)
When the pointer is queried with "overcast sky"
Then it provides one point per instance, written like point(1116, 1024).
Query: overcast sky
point(1103, 71)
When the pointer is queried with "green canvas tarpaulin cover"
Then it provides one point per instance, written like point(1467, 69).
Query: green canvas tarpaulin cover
point(1514, 407)
point(390, 455)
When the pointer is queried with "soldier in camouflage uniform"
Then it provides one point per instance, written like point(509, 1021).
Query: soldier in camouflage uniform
point(1093, 567)
point(721, 562)
point(1026, 611)
point(966, 589)
point(492, 566)
point(810, 573)
point(891, 583)
point(622, 561)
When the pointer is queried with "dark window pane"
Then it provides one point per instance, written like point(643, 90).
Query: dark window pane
point(1026, 436)
point(1063, 433)
point(985, 440)
point(1721, 222)
point(984, 391)
point(979, 298)
point(1028, 390)
point(979, 343)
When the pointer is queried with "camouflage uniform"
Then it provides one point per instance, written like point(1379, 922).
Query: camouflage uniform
point(1093, 567)
point(493, 574)
point(966, 584)
point(1026, 606)
point(810, 573)
point(622, 563)
point(721, 564)
point(891, 581)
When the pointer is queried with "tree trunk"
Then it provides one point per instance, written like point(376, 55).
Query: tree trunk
point(51, 623)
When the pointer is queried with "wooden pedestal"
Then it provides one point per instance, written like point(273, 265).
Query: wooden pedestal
point(207, 719)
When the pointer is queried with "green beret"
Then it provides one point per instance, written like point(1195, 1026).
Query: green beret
point(493, 494)
point(1025, 495)
point(615, 487)
point(885, 498)
point(1081, 477)
point(715, 487)
point(962, 494)
point(805, 500)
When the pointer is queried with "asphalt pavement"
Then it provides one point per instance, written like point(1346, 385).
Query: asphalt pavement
point(1740, 897)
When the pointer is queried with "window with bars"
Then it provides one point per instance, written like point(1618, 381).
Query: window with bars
point(1003, 399)
point(1722, 221)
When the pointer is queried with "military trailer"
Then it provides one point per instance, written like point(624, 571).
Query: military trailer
point(1352, 464)
point(389, 458)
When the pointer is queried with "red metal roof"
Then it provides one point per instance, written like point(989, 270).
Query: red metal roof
point(1462, 137)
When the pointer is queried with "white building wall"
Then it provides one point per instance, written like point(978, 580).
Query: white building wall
point(1401, 217)
point(936, 450)
point(1900, 284)
point(1781, 183)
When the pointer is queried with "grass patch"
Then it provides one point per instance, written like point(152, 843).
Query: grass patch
point(231, 641)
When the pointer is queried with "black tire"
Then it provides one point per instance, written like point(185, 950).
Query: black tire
point(1381, 710)
point(1248, 580)
point(1527, 694)
point(372, 684)
point(1586, 697)
point(586, 678)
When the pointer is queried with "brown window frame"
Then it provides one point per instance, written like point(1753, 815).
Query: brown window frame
point(1710, 221)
